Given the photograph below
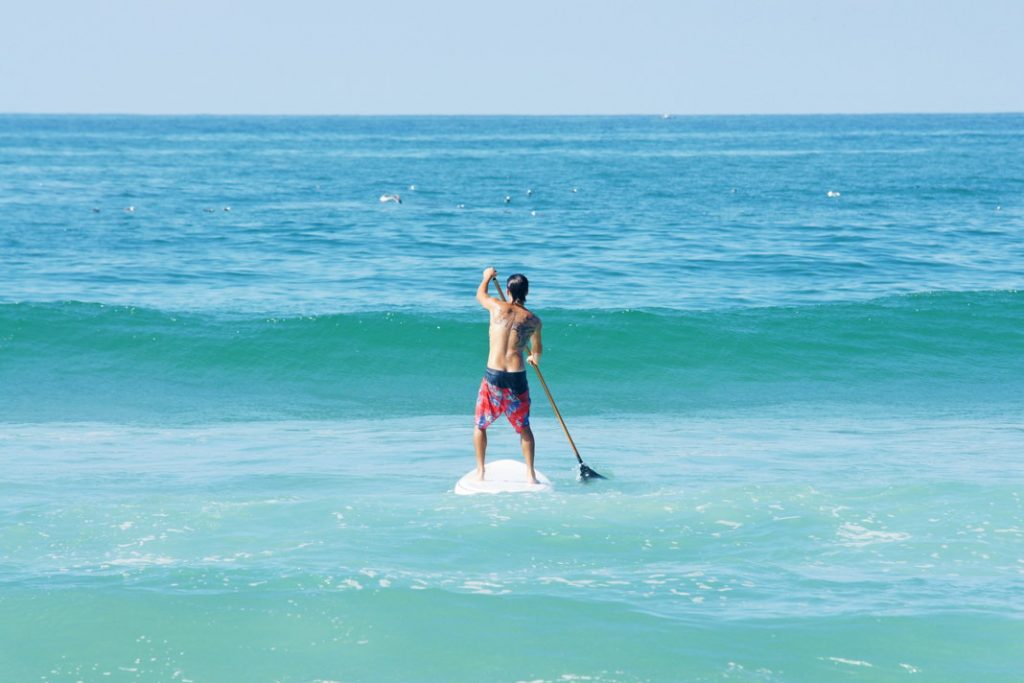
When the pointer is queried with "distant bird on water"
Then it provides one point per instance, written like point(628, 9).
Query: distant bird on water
point(385, 198)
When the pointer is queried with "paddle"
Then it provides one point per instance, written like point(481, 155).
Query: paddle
point(585, 473)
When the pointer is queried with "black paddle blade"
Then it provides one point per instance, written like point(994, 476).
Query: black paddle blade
point(586, 474)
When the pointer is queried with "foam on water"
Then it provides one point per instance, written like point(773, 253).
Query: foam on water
point(186, 535)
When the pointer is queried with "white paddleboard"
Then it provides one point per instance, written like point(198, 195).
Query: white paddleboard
point(502, 476)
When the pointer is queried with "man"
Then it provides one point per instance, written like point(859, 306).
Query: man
point(504, 389)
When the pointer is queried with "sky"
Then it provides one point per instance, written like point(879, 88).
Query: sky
point(522, 57)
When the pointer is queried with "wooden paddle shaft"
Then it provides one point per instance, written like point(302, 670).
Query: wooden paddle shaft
point(558, 414)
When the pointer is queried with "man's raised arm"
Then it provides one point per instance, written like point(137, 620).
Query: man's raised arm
point(485, 299)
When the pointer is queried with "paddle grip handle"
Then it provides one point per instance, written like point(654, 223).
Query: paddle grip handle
point(497, 286)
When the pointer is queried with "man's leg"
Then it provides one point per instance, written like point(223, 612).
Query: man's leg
point(527, 443)
point(480, 444)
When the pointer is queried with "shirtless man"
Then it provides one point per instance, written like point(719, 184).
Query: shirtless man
point(504, 389)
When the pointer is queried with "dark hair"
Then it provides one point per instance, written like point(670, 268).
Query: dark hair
point(518, 287)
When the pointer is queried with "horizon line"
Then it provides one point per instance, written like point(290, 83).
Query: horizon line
point(509, 115)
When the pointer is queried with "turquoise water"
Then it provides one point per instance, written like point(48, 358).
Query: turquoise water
point(232, 416)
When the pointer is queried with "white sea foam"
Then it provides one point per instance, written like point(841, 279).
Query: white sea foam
point(855, 535)
point(851, 662)
point(141, 561)
point(485, 587)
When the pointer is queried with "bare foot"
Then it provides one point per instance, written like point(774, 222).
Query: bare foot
point(532, 481)
point(479, 474)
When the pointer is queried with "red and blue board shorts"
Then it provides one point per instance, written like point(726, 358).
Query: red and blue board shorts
point(503, 393)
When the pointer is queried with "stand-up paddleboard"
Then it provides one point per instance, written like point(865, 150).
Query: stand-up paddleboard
point(502, 476)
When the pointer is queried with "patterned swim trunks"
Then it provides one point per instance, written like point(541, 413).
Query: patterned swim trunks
point(503, 393)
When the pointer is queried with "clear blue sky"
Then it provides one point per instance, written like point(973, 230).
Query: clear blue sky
point(523, 57)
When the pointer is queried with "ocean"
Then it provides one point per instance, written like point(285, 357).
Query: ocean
point(237, 388)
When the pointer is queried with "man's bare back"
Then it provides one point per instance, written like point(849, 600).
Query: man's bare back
point(512, 328)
